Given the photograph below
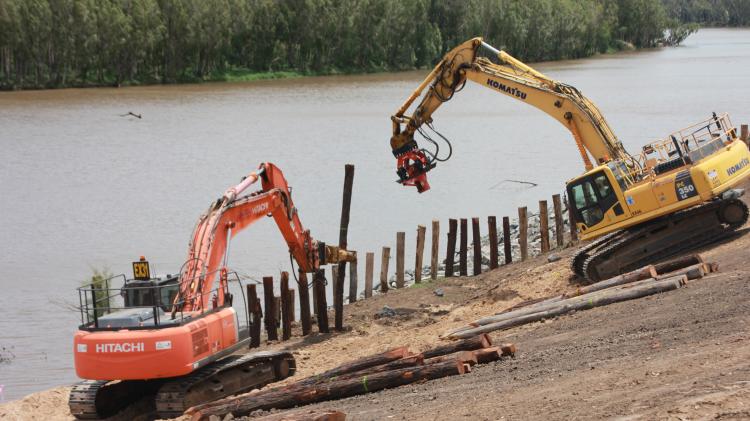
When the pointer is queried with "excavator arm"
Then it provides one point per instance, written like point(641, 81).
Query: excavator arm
point(511, 77)
point(232, 213)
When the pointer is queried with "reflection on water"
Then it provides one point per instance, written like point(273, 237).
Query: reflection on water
point(83, 186)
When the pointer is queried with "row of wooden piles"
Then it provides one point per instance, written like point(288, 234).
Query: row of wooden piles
point(646, 281)
point(456, 261)
point(280, 310)
point(389, 369)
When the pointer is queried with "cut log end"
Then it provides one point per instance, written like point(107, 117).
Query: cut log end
point(488, 355)
point(508, 350)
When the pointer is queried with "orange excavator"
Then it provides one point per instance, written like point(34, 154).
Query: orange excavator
point(176, 337)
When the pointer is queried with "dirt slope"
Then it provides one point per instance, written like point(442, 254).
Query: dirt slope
point(679, 355)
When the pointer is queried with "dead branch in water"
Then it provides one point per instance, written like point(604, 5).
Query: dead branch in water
point(530, 183)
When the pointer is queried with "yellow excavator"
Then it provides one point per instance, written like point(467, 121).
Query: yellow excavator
point(678, 193)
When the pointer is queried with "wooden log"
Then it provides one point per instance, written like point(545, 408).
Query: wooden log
point(286, 320)
point(305, 415)
point(544, 225)
point(603, 287)
point(600, 298)
point(450, 253)
point(679, 263)
point(492, 227)
point(434, 258)
point(494, 353)
point(410, 361)
point(469, 344)
point(338, 300)
point(304, 304)
point(507, 349)
point(466, 357)
point(315, 298)
point(487, 355)
point(359, 365)
point(292, 312)
point(277, 310)
point(692, 272)
point(270, 319)
point(400, 255)
point(287, 397)
point(346, 205)
point(477, 243)
point(555, 301)
point(559, 234)
point(523, 232)
point(421, 229)
point(321, 246)
point(572, 222)
point(506, 240)
point(319, 289)
point(744, 133)
point(353, 281)
point(646, 272)
point(369, 273)
point(256, 315)
point(384, 269)
point(463, 248)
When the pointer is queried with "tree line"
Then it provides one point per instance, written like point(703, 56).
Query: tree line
point(710, 12)
point(58, 43)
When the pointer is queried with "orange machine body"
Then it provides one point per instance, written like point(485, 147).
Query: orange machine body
point(154, 353)
point(199, 326)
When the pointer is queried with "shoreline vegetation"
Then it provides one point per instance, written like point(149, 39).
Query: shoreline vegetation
point(48, 44)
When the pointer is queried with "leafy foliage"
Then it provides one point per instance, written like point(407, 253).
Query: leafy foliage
point(710, 12)
point(98, 282)
point(55, 43)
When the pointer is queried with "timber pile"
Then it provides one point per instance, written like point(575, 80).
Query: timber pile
point(389, 369)
point(639, 283)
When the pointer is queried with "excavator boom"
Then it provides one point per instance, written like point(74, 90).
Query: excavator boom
point(509, 76)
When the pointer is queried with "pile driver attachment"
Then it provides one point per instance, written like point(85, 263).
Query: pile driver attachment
point(412, 165)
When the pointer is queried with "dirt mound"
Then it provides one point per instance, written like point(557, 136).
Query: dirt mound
point(48, 405)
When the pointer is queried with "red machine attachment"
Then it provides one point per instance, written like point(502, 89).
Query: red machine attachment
point(412, 166)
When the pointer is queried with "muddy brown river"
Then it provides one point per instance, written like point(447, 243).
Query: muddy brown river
point(83, 186)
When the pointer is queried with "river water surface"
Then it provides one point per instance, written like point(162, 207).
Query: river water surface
point(82, 187)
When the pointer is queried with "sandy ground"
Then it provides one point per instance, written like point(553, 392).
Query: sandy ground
point(681, 355)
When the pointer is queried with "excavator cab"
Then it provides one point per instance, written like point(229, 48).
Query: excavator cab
point(142, 300)
point(594, 198)
point(147, 291)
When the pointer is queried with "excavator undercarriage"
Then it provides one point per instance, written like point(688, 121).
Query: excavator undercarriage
point(635, 247)
point(97, 399)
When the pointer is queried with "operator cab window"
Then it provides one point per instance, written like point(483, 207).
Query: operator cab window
point(592, 197)
point(587, 203)
point(603, 186)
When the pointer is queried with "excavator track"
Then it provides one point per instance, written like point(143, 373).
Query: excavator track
point(636, 247)
point(584, 252)
point(98, 399)
point(229, 376)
